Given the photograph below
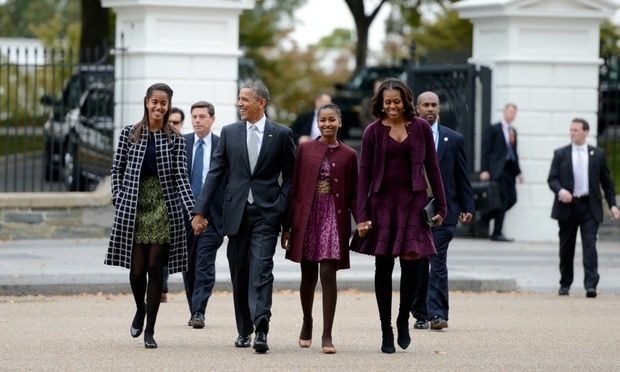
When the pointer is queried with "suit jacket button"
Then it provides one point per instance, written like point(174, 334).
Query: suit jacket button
point(339, 211)
point(337, 195)
point(335, 179)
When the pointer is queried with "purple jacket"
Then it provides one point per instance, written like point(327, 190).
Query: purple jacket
point(372, 164)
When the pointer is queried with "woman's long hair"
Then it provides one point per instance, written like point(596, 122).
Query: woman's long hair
point(136, 131)
point(376, 103)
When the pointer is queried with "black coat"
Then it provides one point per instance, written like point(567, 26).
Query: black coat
point(494, 151)
point(454, 174)
point(561, 177)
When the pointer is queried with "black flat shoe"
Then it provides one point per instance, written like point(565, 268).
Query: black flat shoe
point(149, 341)
point(420, 324)
point(590, 293)
point(136, 325)
point(564, 291)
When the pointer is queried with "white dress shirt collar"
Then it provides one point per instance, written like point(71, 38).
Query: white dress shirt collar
point(206, 139)
point(260, 124)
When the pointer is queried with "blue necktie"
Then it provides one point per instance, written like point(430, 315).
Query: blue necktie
point(197, 169)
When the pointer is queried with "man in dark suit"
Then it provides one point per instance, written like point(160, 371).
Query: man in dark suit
point(431, 296)
point(251, 157)
point(199, 279)
point(578, 172)
point(500, 163)
point(305, 126)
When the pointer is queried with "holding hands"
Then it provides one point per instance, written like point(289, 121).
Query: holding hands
point(285, 240)
point(363, 228)
point(199, 224)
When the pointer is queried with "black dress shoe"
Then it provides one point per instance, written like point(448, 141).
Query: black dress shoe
point(136, 325)
point(198, 320)
point(590, 293)
point(420, 324)
point(243, 341)
point(563, 291)
point(438, 323)
point(149, 341)
point(501, 238)
point(260, 342)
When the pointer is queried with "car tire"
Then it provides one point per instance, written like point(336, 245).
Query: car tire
point(73, 176)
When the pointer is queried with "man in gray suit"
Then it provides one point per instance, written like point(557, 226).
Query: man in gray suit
point(247, 163)
point(578, 171)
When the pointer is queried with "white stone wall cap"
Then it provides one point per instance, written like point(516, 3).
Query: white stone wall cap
point(582, 9)
point(102, 196)
point(208, 51)
point(540, 59)
point(221, 4)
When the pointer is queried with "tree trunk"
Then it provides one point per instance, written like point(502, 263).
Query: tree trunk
point(95, 30)
point(362, 25)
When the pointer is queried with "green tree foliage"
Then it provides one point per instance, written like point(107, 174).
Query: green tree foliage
point(610, 41)
point(448, 34)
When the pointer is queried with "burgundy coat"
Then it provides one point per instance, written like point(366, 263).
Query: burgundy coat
point(343, 185)
point(372, 163)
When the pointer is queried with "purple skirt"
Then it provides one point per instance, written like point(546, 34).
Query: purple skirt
point(321, 241)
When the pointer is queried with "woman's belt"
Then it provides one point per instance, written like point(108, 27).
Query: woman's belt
point(323, 187)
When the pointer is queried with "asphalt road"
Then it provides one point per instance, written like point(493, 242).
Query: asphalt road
point(488, 332)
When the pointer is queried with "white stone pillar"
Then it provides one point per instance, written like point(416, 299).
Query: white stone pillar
point(545, 58)
point(191, 45)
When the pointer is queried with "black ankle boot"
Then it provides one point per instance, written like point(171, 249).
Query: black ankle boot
point(402, 326)
point(387, 340)
point(149, 341)
point(136, 325)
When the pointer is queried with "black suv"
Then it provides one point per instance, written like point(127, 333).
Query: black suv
point(56, 128)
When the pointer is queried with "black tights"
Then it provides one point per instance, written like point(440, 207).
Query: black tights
point(383, 289)
point(147, 259)
point(309, 277)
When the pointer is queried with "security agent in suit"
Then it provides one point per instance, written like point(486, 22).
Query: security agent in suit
point(305, 127)
point(251, 156)
point(500, 163)
point(431, 296)
point(199, 279)
point(578, 171)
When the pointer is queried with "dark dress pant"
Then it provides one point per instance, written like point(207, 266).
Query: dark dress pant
point(508, 193)
point(206, 246)
point(250, 258)
point(431, 294)
point(580, 218)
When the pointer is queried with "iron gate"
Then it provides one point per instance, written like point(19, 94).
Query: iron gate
point(609, 115)
point(460, 89)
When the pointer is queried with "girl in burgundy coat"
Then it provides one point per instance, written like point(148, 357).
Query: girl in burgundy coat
point(391, 193)
point(318, 224)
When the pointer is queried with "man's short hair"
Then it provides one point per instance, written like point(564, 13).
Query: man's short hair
point(258, 88)
point(178, 111)
point(204, 104)
point(584, 124)
point(510, 104)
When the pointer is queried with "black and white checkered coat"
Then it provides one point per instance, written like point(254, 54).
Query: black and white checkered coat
point(172, 173)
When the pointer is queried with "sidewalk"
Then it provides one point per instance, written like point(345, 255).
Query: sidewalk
point(76, 266)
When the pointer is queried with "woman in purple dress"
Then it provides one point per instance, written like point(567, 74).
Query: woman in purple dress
point(318, 224)
point(396, 150)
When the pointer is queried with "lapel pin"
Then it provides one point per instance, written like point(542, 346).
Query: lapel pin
point(270, 135)
point(445, 139)
point(591, 152)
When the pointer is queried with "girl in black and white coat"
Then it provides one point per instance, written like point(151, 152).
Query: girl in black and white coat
point(151, 191)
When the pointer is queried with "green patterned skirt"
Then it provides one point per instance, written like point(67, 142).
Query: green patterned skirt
point(152, 224)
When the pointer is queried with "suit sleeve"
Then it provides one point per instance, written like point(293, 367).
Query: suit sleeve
point(516, 151)
point(553, 180)
point(216, 174)
point(120, 163)
point(288, 166)
point(180, 173)
point(465, 195)
point(431, 164)
point(487, 140)
point(606, 182)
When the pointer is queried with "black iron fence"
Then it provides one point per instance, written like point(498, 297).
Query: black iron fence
point(609, 115)
point(47, 98)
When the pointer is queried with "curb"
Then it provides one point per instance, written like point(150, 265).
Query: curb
point(364, 285)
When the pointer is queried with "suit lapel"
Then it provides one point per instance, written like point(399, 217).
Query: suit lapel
point(242, 140)
point(265, 145)
point(569, 158)
point(592, 166)
point(441, 143)
point(213, 144)
point(189, 142)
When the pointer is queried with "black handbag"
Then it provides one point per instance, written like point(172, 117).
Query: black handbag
point(430, 210)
